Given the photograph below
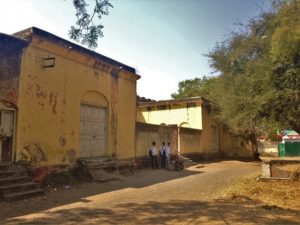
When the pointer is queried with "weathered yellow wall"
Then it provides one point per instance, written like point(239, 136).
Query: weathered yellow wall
point(233, 146)
point(178, 114)
point(126, 117)
point(190, 141)
point(49, 102)
point(216, 139)
point(147, 133)
point(210, 139)
point(94, 98)
point(196, 139)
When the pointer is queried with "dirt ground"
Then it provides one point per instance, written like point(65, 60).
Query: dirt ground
point(274, 194)
point(207, 193)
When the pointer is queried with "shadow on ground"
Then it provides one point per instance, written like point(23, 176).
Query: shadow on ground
point(61, 196)
point(172, 212)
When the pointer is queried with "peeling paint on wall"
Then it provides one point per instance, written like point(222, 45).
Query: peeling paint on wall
point(10, 66)
point(114, 103)
point(62, 141)
point(40, 93)
point(54, 104)
point(8, 90)
point(49, 106)
point(51, 98)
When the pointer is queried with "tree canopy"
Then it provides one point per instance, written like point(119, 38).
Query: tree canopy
point(196, 87)
point(258, 87)
point(88, 28)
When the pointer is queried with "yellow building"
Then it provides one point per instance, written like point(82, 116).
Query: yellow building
point(60, 101)
point(191, 125)
point(182, 112)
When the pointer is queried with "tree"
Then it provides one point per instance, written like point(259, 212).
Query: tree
point(88, 28)
point(259, 83)
point(285, 59)
point(203, 87)
point(258, 87)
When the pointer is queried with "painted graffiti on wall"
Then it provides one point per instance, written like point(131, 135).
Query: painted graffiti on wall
point(33, 153)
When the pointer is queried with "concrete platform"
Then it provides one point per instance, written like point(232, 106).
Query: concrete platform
point(268, 159)
point(280, 168)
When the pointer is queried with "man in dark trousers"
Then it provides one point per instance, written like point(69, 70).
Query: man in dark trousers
point(162, 154)
point(153, 155)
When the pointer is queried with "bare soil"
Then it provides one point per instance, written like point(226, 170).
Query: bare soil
point(207, 193)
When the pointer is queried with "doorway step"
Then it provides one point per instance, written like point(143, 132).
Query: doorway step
point(104, 169)
point(15, 182)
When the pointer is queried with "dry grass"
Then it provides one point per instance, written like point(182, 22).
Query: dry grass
point(271, 193)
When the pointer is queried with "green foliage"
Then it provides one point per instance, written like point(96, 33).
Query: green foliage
point(258, 89)
point(285, 56)
point(196, 87)
point(87, 29)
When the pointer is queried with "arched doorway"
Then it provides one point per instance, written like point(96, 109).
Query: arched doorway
point(93, 125)
point(182, 124)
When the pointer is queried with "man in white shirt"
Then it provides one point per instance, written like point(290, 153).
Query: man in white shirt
point(153, 155)
point(162, 154)
point(167, 154)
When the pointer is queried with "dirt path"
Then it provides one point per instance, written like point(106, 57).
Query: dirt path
point(192, 196)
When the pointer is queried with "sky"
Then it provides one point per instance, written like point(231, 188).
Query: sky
point(164, 40)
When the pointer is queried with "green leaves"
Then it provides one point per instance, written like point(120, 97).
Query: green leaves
point(260, 72)
point(88, 28)
point(258, 89)
point(286, 37)
point(196, 87)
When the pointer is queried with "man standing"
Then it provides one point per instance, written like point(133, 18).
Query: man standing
point(153, 155)
point(167, 154)
point(162, 154)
